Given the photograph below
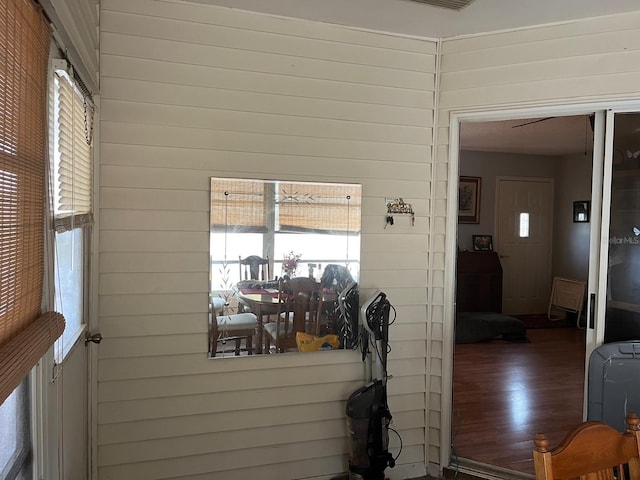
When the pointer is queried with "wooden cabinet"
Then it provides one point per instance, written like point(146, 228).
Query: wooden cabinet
point(479, 282)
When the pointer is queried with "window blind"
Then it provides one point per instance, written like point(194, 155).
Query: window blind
point(73, 186)
point(238, 203)
point(25, 334)
point(318, 207)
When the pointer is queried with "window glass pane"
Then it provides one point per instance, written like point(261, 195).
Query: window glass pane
point(317, 249)
point(524, 225)
point(622, 315)
point(225, 269)
point(15, 434)
point(69, 278)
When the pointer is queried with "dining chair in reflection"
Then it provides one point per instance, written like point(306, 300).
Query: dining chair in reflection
point(593, 450)
point(347, 315)
point(299, 310)
point(218, 305)
point(233, 328)
point(254, 267)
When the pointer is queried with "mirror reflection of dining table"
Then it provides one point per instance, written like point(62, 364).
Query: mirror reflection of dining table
point(263, 302)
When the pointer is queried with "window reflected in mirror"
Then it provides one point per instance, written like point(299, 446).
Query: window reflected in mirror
point(284, 266)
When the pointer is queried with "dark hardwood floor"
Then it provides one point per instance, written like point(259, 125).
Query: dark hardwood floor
point(505, 393)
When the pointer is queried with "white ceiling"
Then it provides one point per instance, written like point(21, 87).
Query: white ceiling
point(550, 136)
point(412, 18)
point(558, 136)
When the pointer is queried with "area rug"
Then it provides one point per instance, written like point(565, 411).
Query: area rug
point(472, 327)
point(541, 321)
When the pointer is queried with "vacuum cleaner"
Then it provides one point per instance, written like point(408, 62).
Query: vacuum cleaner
point(368, 415)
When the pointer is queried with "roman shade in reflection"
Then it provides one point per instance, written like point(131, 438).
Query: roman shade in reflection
point(298, 206)
point(241, 203)
point(25, 334)
point(318, 207)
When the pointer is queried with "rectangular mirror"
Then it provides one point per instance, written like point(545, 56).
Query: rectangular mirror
point(284, 266)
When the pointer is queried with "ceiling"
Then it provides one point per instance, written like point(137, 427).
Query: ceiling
point(556, 136)
point(409, 17)
point(541, 136)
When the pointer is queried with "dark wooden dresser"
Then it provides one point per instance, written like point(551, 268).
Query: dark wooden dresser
point(479, 282)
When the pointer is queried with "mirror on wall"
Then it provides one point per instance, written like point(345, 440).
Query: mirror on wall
point(284, 266)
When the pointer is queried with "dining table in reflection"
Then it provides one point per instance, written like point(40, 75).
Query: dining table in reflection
point(263, 301)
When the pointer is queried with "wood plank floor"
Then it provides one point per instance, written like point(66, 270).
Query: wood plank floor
point(505, 393)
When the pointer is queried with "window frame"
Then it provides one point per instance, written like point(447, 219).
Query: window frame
point(69, 221)
point(21, 461)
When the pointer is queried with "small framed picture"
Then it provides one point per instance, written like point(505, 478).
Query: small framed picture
point(482, 243)
point(469, 200)
point(581, 210)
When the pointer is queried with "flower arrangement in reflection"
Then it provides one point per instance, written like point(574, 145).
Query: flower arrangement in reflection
point(290, 263)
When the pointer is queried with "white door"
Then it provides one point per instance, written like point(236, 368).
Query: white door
point(71, 387)
point(68, 417)
point(524, 209)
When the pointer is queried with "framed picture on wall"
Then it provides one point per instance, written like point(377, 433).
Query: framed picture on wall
point(482, 243)
point(469, 200)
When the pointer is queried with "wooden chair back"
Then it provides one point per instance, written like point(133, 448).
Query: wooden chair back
point(347, 314)
point(299, 310)
point(254, 267)
point(592, 451)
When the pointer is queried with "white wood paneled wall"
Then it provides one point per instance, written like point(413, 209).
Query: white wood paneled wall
point(189, 92)
point(581, 61)
point(595, 60)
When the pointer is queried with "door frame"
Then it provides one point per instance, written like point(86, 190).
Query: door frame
point(598, 234)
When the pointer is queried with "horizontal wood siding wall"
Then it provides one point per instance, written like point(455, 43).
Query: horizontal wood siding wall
point(189, 92)
point(587, 61)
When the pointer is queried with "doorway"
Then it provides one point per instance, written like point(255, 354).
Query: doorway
point(504, 389)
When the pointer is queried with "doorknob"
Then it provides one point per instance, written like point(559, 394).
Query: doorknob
point(504, 256)
point(95, 338)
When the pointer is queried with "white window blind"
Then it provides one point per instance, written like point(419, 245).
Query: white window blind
point(73, 185)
